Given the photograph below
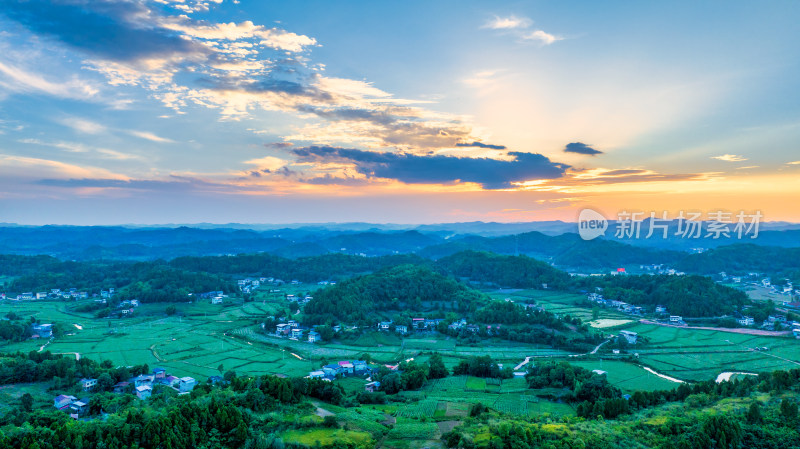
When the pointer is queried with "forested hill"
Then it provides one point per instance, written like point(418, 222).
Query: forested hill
point(566, 250)
point(406, 287)
point(691, 296)
point(504, 271)
point(745, 258)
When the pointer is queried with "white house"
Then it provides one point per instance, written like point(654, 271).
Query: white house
point(216, 300)
point(675, 319)
point(186, 384)
point(144, 391)
point(297, 333)
point(314, 337)
point(746, 321)
point(88, 384)
point(316, 374)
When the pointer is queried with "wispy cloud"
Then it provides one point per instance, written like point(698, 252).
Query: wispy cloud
point(521, 27)
point(541, 37)
point(150, 136)
point(793, 163)
point(82, 125)
point(507, 23)
point(730, 158)
point(17, 79)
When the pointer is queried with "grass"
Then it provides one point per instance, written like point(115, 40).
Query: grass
point(325, 437)
point(414, 431)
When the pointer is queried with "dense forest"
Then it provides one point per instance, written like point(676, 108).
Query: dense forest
point(691, 296)
point(504, 271)
point(779, 263)
point(405, 287)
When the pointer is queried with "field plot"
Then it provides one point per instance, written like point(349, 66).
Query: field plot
point(697, 354)
point(414, 431)
point(627, 376)
point(507, 395)
point(324, 437)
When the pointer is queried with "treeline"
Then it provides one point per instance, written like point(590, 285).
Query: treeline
point(66, 370)
point(405, 287)
point(776, 262)
point(504, 271)
point(305, 269)
point(691, 295)
point(155, 281)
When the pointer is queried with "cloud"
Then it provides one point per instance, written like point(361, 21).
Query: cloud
point(268, 163)
point(581, 148)
point(235, 68)
point(520, 27)
point(150, 136)
point(481, 145)
point(82, 125)
point(415, 169)
point(278, 144)
point(541, 37)
point(17, 79)
point(507, 23)
point(730, 158)
point(793, 163)
point(74, 147)
point(118, 31)
point(174, 183)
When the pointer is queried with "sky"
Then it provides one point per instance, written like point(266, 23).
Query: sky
point(218, 111)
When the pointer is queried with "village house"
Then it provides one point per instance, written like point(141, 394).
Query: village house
point(144, 391)
point(43, 330)
point(347, 367)
point(88, 384)
point(186, 384)
point(630, 337)
point(159, 373)
point(314, 337)
point(120, 387)
point(372, 387)
point(142, 381)
point(746, 321)
point(281, 330)
point(332, 370)
point(316, 374)
point(661, 309)
point(216, 300)
point(297, 333)
point(418, 323)
point(78, 408)
point(675, 319)
point(401, 329)
point(62, 402)
point(360, 366)
point(384, 326)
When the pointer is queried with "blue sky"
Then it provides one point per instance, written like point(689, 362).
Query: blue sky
point(202, 111)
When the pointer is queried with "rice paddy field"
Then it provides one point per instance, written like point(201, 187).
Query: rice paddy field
point(203, 338)
point(452, 397)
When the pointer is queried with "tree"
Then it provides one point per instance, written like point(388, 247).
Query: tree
point(436, 368)
point(788, 409)
point(27, 402)
point(171, 310)
point(754, 414)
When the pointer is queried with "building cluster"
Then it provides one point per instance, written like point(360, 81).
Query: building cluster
point(142, 386)
point(622, 306)
point(57, 293)
point(344, 368)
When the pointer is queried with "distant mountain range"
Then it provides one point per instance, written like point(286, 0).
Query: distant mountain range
point(565, 249)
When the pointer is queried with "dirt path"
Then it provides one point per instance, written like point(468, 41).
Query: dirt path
point(759, 332)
